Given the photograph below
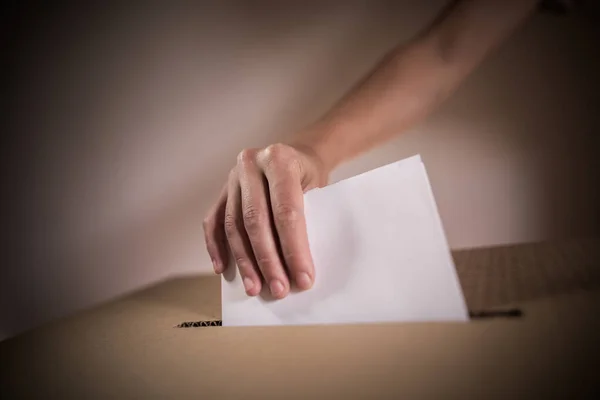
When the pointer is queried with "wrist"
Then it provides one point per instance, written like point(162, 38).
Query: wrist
point(321, 143)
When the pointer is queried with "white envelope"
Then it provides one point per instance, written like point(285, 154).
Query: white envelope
point(380, 255)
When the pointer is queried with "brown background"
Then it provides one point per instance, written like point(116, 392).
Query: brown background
point(128, 348)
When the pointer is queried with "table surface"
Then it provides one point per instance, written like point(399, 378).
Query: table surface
point(129, 348)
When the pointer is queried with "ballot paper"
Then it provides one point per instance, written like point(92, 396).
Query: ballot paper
point(380, 255)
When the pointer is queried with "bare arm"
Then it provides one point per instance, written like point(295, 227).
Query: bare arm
point(414, 78)
point(268, 184)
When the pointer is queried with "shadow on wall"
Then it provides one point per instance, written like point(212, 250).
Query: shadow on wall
point(125, 120)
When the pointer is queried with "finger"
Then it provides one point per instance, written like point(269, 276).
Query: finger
point(214, 234)
point(257, 221)
point(239, 243)
point(287, 205)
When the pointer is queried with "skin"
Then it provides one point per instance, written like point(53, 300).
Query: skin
point(259, 215)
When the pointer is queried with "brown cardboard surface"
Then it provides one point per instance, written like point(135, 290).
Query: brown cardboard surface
point(129, 348)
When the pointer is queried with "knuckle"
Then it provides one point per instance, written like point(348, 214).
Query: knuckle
point(253, 218)
point(286, 214)
point(243, 263)
point(230, 224)
point(292, 259)
point(206, 223)
point(246, 157)
point(277, 153)
point(268, 264)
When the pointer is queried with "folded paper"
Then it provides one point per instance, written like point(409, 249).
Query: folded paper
point(380, 255)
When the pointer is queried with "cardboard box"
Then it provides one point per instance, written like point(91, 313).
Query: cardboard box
point(130, 349)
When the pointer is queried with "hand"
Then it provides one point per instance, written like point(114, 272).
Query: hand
point(260, 214)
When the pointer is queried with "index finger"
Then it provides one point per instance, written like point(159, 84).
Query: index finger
point(287, 205)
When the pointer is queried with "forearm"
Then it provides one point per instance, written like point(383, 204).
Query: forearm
point(404, 88)
point(413, 79)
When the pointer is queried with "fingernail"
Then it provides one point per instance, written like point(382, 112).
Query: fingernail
point(248, 284)
point(217, 267)
point(276, 288)
point(303, 281)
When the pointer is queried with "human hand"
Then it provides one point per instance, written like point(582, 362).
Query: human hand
point(260, 215)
